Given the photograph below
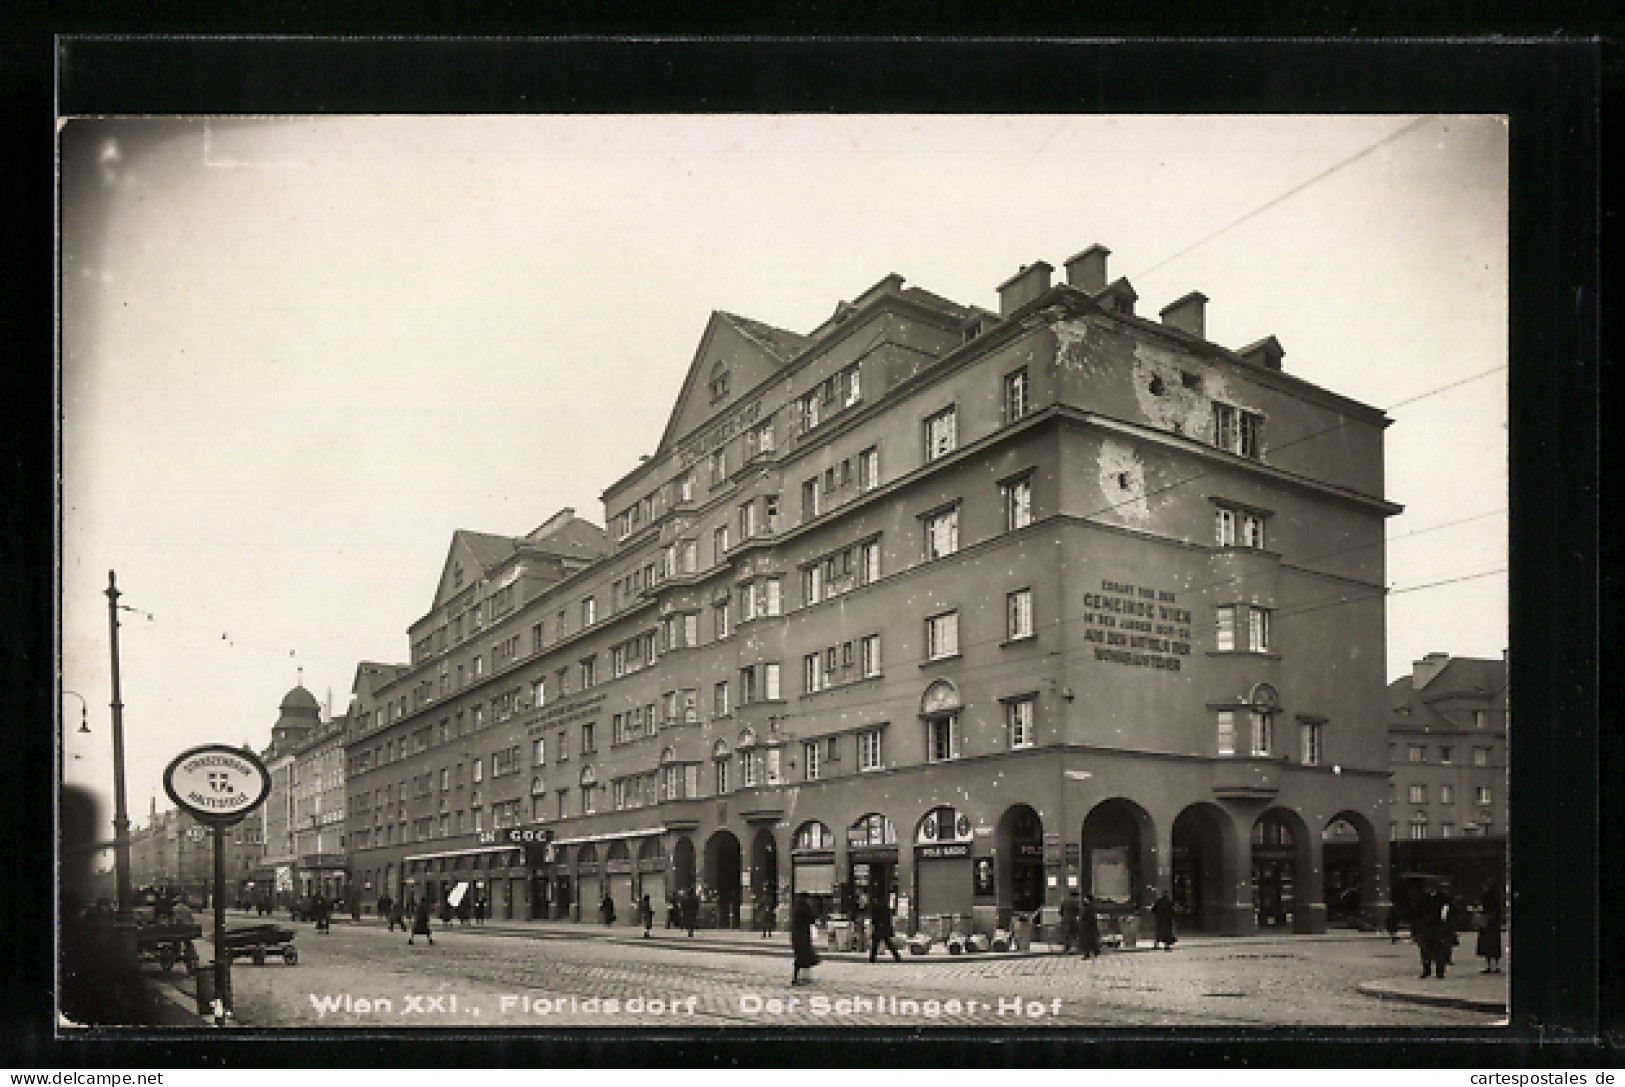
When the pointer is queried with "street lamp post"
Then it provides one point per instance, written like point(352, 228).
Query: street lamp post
point(121, 818)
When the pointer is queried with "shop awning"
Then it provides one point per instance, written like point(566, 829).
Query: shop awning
point(610, 836)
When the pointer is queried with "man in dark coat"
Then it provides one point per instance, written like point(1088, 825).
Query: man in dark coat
point(801, 941)
point(397, 914)
point(1163, 911)
point(420, 922)
point(319, 911)
point(1070, 934)
point(646, 914)
point(1489, 931)
point(1089, 928)
point(880, 926)
point(1434, 933)
point(691, 909)
point(465, 908)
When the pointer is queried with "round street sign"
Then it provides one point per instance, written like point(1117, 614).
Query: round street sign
point(217, 783)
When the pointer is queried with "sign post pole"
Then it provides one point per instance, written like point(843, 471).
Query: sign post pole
point(222, 961)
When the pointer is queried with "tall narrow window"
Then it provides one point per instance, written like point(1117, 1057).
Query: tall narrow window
point(1263, 732)
point(810, 759)
point(1227, 732)
point(942, 534)
point(1015, 395)
point(1309, 737)
point(770, 596)
point(871, 655)
point(869, 469)
point(1018, 714)
point(869, 562)
point(1019, 613)
point(1018, 504)
point(941, 434)
point(770, 681)
point(869, 750)
point(942, 738)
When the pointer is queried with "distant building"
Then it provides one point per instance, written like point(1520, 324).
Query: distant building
point(317, 781)
point(1447, 745)
point(300, 716)
point(971, 610)
point(174, 851)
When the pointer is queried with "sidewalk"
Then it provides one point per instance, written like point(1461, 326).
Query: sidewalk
point(1466, 988)
point(750, 942)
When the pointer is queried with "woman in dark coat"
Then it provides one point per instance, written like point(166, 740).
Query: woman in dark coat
point(606, 909)
point(465, 908)
point(420, 922)
point(801, 941)
point(691, 909)
point(880, 926)
point(1089, 928)
point(397, 914)
point(1489, 932)
point(1163, 911)
point(646, 913)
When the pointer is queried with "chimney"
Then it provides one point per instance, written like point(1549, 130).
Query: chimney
point(1266, 353)
point(1087, 270)
point(1187, 314)
point(1023, 287)
point(1427, 669)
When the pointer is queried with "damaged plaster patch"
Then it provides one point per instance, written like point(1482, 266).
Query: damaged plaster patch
point(1122, 481)
point(1073, 341)
point(1162, 390)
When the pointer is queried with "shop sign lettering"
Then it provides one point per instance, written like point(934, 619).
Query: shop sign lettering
point(939, 852)
point(1137, 625)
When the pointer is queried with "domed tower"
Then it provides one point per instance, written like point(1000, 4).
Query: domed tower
point(300, 714)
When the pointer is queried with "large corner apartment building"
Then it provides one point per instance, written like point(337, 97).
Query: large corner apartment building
point(973, 609)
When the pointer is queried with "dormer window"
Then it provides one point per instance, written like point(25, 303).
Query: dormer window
point(719, 382)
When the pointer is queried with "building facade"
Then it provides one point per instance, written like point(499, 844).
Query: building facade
point(317, 783)
point(1447, 745)
point(175, 852)
point(278, 874)
point(975, 610)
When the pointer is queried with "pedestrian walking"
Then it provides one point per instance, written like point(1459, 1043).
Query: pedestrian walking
point(671, 909)
point(318, 911)
point(801, 942)
point(1489, 931)
point(646, 910)
point(397, 915)
point(1434, 932)
point(480, 910)
point(770, 908)
point(420, 922)
point(691, 909)
point(1163, 911)
point(1393, 922)
point(606, 909)
point(1089, 927)
point(880, 926)
point(1071, 933)
point(465, 909)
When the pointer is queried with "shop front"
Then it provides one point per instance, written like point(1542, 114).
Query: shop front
point(618, 882)
point(812, 867)
point(871, 859)
point(944, 875)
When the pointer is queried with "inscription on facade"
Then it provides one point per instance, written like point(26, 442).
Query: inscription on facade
point(1137, 625)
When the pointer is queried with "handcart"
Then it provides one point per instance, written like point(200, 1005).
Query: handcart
point(168, 944)
point(258, 941)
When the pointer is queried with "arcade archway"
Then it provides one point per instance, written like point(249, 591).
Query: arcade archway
point(682, 864)
point(1282, 866)
point(1019, 839)
point(1349, 867)
point(764, 873)
point(1198, 867)
point(1118, 853)
point(722, 871)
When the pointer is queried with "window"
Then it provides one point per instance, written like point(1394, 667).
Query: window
point(1018, 610)
point(747, 768)
point(942, 636)
point(1447, 830)
point(1309, 742)
point(870, 653)
point(564, 746)
point(589, 672)
point(941, 434)
point(1447, 794)
point(747, 523)
point(538, 692)
point(869, 562)
point(770, 681)
point(1251, 623)
point(587, 744)
point(691, 628)
point(942, 738)
point(812, 673)
point(770, 596)
point(1481, 756)
point(1418, 794)
point(719, 619)
point(719, 543)
point(719, 382)
point(1480, 718)
point(812, 583)
point(1234, 527)
point(1238, 431)
point(1018, 504)
point(1419, 826)
point(775, 765)
point(538, 751)
point(479, 771)
point(810, 759)
point(719, 467)
point(1227, 732)
point(869, 750)
point(809, 498)
point(688, 555)
point(869, 469)
point(1416, 753)
point(1018, 715)
point(1015, 395)
point(1481, 795)
point(719, 699)
point(942, 534)
point(1263, 729)
point(721, 764)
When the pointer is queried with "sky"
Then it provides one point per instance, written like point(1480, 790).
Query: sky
point(299, 353)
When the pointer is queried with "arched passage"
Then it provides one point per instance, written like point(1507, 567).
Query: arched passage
point(722, 869)
point(652, 875)
point(618, 882)
point(1348, 863)
point(764, 873)
point(1019, 873)
point(1283, 867)
point(1199, 866)
point(812, 866)
point(589, 883)
point(682, 864)
point(1119, 853)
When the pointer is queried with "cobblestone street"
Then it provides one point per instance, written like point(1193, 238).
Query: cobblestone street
point(363, 976)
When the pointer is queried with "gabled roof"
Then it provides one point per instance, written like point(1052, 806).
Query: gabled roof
point(1467, 679)
point(752, 351)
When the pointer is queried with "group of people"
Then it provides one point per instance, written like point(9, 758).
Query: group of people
point(682, 909)
point(1434, 924)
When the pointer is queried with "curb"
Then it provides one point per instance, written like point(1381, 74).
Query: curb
point(1381, 991)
